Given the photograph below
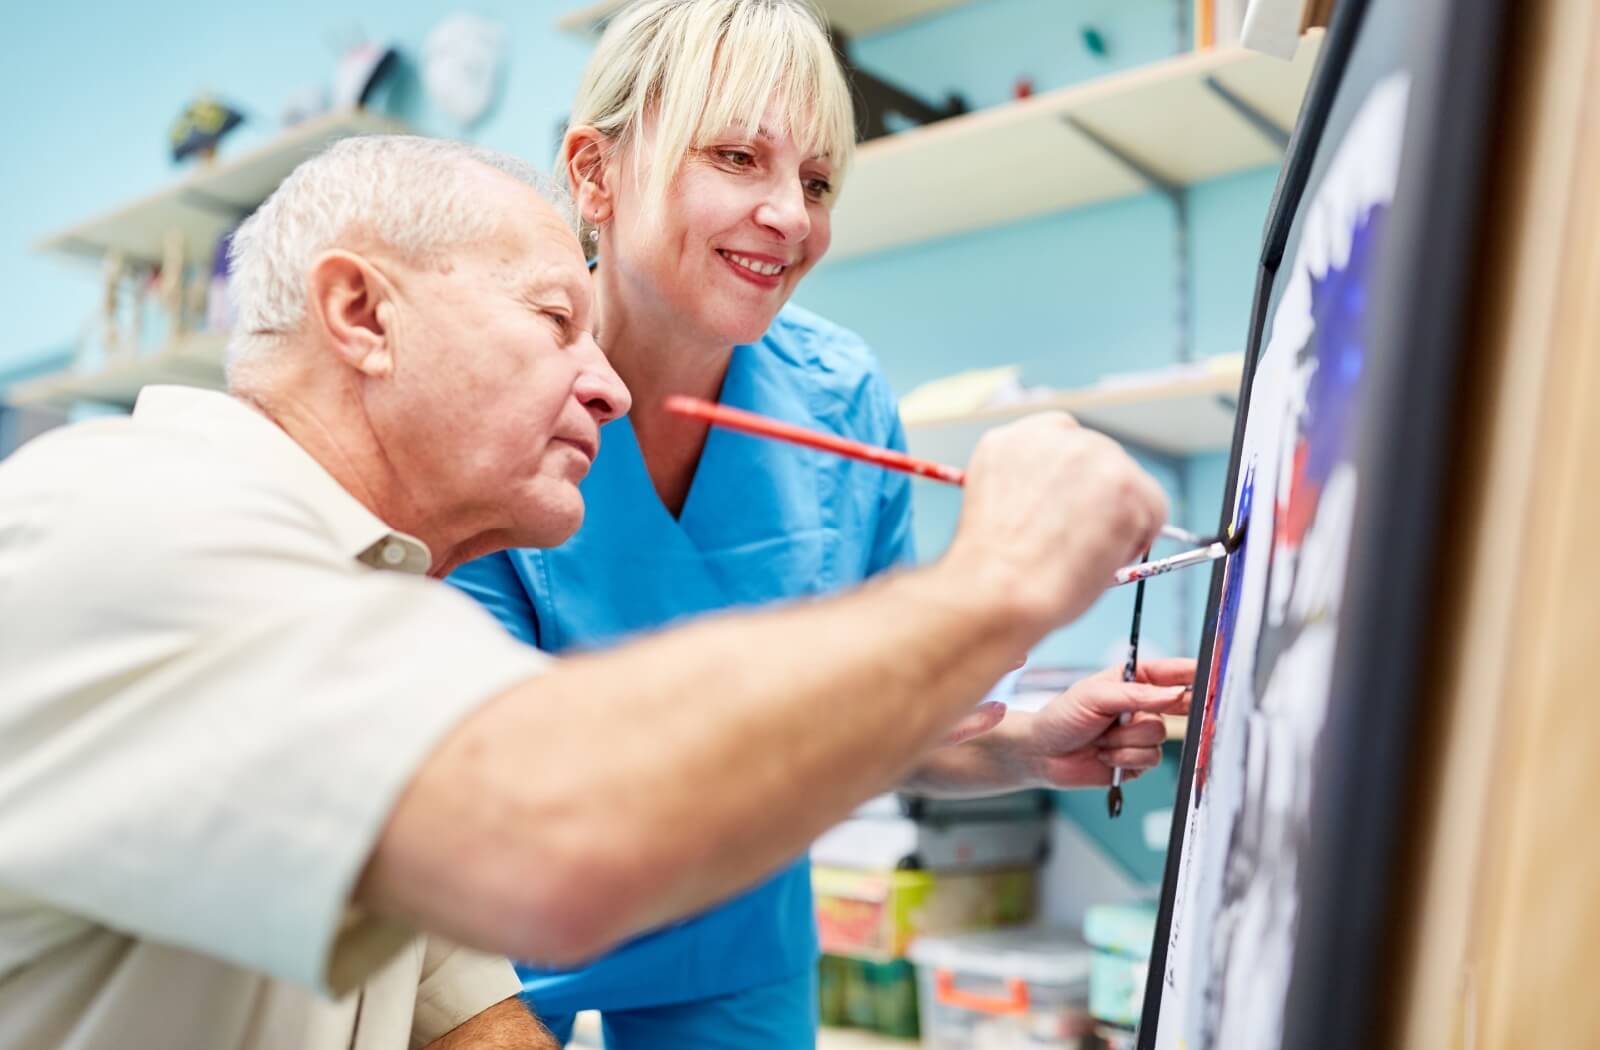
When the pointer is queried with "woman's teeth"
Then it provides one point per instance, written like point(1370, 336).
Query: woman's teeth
point(753, 265)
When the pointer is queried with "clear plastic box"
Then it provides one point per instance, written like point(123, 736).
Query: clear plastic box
point(1017, 989)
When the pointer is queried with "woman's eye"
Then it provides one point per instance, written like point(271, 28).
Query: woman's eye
point(738, 158)
point(818, 189)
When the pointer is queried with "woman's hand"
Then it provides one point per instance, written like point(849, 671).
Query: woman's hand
point(1076, 740)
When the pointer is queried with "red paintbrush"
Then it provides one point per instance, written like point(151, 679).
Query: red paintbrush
point(763, 426)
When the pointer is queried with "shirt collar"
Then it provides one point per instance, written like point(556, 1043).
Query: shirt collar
point(221, 419)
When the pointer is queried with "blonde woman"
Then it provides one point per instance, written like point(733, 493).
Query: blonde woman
point(707, 142)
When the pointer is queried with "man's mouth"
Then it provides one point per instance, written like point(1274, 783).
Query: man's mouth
point(589, 448)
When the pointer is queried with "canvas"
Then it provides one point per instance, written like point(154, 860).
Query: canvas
point(1232, 931)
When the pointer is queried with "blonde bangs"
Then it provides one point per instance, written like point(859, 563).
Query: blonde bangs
point(700, 67)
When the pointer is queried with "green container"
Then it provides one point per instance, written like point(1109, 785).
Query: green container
point(831, 978)
point(877, 997)
point(894, 997)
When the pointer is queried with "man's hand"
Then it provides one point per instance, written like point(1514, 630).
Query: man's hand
point(1076, 741)
point(1050, 512)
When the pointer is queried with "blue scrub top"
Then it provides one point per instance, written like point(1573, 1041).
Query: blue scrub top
point(762, 522)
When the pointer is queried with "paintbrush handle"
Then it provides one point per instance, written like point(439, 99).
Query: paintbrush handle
point(1145, 570)
point(762, 426)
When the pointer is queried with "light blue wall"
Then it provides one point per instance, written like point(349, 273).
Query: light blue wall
point(1068, 296)
point(91, 89)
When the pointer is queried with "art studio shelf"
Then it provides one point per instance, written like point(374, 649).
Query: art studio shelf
point(1179, 411)
point(855, 17)
point(195, 360)
point(1171, 123)
point(209, 201)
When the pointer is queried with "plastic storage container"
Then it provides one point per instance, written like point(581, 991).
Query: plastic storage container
point(1022, 989)
point(876, 915)
point(888, 843)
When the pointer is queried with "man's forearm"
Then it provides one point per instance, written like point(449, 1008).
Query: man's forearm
point(629, 788)
point(507, 1025)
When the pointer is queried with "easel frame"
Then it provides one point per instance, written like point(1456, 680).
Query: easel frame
point(1336, 996)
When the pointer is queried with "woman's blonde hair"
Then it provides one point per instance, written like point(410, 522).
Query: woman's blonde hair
point(697, 67)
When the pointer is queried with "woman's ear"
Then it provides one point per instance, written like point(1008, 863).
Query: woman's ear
point(584, 152)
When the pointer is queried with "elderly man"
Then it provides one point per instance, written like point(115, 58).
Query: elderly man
point(261, 777)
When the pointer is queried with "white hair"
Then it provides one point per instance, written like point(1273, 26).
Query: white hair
point(698, 67)
point(412, 195)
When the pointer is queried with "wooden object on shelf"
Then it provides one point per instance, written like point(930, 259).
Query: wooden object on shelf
point(1189, 414)
point(207, 202)
point(163, 232)
point(855, 17)
point(194, 360)
point(1178, 118)
point(1496, 934)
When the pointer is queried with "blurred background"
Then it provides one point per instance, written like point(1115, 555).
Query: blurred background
point(1058, 202)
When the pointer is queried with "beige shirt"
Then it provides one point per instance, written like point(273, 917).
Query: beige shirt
point(210, 698)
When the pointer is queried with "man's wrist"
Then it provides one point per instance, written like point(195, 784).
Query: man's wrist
point(999, 602)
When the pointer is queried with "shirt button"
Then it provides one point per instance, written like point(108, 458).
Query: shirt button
point(393, 553)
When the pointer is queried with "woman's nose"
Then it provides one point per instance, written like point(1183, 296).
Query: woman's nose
point(784, 211)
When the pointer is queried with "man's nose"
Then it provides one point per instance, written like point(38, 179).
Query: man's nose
point(599, 388)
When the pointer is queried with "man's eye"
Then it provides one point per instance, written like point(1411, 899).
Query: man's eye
point(562, 321)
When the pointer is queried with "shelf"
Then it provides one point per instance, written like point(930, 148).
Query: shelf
point(195, 360)
point(1189, 413)
point(210, 200)
point(1183, 120)
point(855, 17)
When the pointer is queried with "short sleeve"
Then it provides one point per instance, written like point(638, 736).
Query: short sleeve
point(457, 985)
point(212, 712)
point(493, 582)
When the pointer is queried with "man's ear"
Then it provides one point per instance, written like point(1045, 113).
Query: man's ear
point(584, 151)
point(353, 305)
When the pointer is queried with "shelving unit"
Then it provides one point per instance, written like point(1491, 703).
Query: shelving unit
point(201, 206)
point(1175, 413)
point(195, 360)
point(210, 200)
point(855, 17)
point(1166, 125)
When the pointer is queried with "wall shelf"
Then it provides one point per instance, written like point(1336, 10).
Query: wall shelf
point(194, 360)
point(1177, 412)
point(855, 17)
point(210, 200)
point(1180, 121)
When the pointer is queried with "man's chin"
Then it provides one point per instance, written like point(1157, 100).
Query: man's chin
point(553, 526)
